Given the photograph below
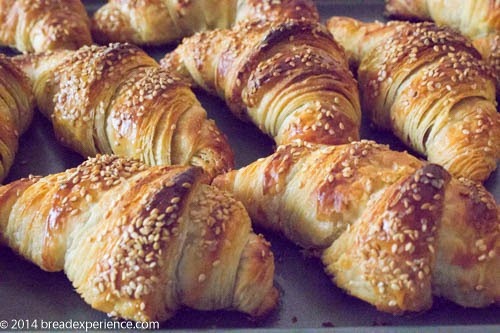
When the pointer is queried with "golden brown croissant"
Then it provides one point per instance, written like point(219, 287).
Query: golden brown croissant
point(16, 111)
point(117, 99)
point(140, 242)
point(290, 79)
point(162, 21)
point(477, 19)
point(41, 25)
point(430, 87)
point(391, 230)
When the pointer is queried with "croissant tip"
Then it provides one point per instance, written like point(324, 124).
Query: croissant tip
point(268, 305)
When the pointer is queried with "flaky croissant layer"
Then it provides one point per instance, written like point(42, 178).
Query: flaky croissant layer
point(391, 229)
point(430, 87)
point(140, 242)
point(291, 79)
point(116, 99)
point(16, 111)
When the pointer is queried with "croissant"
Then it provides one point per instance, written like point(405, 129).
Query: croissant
point(41, 25)
point(389, 228)
point(430, 87)
point(117, 100)
point(140, 242)
point(161, 21)
point(290, 79)
point(16, 111)
point(477, 19)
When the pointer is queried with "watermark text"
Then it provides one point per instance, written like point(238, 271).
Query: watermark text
point(80, 325)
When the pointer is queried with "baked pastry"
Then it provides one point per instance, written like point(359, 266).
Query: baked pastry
point(489, 47)
point(160, 21)
point(16, 111)
point(477, 19)
point(117, 100)
point(290, 79)
point(390, 229)
point(140, 242)
point(430, 87)
point(41, 25)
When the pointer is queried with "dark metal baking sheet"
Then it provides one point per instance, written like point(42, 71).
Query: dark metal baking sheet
point(308, 298)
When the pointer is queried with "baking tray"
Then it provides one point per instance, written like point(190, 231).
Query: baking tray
point(309, 300)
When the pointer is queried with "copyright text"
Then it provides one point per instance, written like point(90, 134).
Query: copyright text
point(80, 325)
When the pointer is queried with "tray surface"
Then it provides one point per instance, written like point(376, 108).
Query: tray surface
point(308, 297)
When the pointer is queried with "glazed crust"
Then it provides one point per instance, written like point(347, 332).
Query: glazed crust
point(156, 22)
point(16, 111)
point(390, 229)
point(429, 86)
point(140, 242)
point(41, 25)
point(290, 79)
point(116, 99)
point(477, 19)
